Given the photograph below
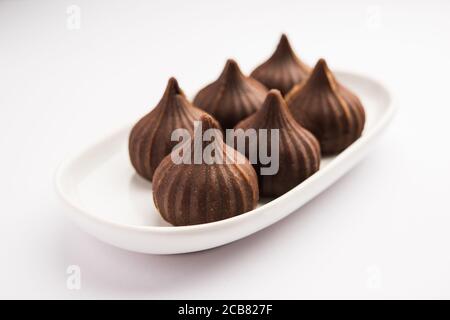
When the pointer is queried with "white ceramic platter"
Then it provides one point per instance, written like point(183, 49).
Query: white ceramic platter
point(108, 200)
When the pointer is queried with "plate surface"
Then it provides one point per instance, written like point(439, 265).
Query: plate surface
point(108, 200)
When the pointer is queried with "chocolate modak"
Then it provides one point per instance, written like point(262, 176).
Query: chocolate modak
point(328, 109)
point(232, 97)
point(297, 149)
point(204, 180)
point(283, 69)
point(150, 139)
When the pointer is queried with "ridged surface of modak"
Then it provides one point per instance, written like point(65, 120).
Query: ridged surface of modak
point(188, 194)
point(232, 97)
point(329, 110)
point(150, 139)
point(298, 149)
point(283, 69)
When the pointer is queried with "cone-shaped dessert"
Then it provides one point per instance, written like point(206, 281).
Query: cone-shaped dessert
point(326, 108)
point(283, 69)
point(297, 149)
point(219, 185)
point(150, 139)
point(232, 97)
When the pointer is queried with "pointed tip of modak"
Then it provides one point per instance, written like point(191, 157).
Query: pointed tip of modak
point(284, 40)
point(208, 122)
point(321, 74)
point(274, 101)
point(274, 96)
point(284, 48)
point(231, 71)
point(321, 64)
point(232, 65)
point(173, 87)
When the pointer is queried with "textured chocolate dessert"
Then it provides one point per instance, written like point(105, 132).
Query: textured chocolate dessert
point(189, 193)
point(150, 139)
point(283, 69)
point(232, 97)
point(299, 151)
point(326, 108)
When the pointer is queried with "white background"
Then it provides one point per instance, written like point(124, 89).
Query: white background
point(382, 231)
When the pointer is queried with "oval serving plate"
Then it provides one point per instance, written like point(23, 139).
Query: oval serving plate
point(108, 200)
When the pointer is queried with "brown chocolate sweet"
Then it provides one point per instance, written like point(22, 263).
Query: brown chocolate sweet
point(326, 108)
point(222, 185)
point(298, 150)
point(283, 69)
point(150, 139)
point(232, 97)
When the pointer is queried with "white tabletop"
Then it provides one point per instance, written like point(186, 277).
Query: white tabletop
point(382, 231)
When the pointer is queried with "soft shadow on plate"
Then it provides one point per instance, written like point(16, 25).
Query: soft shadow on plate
point(138, 182)
point(141, 199)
